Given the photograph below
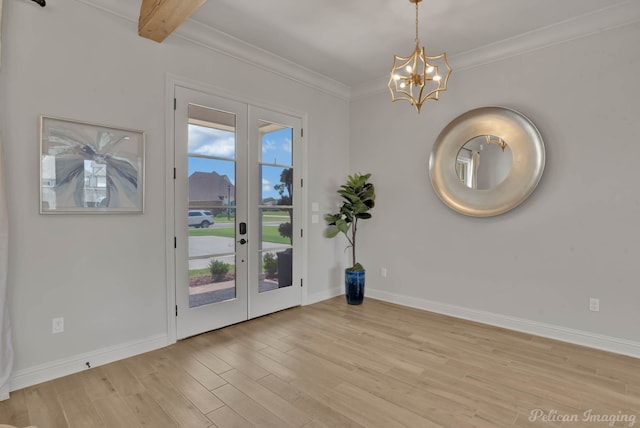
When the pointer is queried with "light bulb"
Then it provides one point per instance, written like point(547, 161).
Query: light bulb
point(437, 78)
point(430, 69)
point(409, 69)
point(402, 85)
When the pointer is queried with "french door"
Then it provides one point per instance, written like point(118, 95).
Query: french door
point(237, 221)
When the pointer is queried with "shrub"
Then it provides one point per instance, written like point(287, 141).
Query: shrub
point(285, 230)
point(270, 264)
point(218, 269)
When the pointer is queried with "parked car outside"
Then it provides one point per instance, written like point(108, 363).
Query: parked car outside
point(200, 218)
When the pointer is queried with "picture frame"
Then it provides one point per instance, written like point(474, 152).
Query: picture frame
point(87, 168)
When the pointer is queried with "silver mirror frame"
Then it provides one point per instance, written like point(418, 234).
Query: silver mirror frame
point(528, 153)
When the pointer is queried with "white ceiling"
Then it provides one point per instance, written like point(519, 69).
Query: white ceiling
point(346, 47)
point(353, 41)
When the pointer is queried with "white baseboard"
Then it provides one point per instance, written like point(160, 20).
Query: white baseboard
point(55, 369)
point(4, 392)
point(578, 337)
point(77, 363)
point(324, 295)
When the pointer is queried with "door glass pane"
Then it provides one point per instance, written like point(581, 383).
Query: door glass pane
point(276, 207)
point(277, 185)
point(276, 144)
point(210, 183)
point(211, 280)
point(211, 214)
point(276, 248)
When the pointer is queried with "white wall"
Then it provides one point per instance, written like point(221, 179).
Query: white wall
point(106, 274)
point(576, 237)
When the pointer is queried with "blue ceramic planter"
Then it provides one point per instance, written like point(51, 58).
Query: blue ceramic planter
point(354, 286)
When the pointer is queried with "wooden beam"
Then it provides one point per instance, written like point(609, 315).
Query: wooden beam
point(159, 18)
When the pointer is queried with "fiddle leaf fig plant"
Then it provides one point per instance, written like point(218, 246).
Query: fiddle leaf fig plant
point(359, 197)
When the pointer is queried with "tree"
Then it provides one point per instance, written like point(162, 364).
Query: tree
point(285, 189)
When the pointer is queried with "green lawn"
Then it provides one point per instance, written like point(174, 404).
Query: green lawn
point(267, 215)
point(199, 272)
point(222, 218)
point(207, 271)
point(269, 234)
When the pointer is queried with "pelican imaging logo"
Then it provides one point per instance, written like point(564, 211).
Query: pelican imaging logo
point(588, 416)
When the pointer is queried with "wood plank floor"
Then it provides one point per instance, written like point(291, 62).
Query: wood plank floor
point(334, 365)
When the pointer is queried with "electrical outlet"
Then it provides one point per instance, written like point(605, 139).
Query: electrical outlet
point(594, 304)
point(57, 325)
point(383, 272)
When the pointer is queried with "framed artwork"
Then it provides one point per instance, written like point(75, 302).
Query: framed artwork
point(87, 168)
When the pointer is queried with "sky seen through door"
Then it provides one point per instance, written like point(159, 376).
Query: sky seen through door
point(276, 150)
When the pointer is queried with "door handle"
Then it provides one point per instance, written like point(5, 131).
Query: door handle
point(243, 228)
point(242, 241)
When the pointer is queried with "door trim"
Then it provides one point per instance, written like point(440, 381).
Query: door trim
point(171, 81)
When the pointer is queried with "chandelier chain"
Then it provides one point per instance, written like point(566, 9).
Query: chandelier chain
point(417, 40)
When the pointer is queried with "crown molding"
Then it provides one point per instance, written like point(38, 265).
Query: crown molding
point(217, 41)
point(571, 29)
point(128, 10)
point(213, 39)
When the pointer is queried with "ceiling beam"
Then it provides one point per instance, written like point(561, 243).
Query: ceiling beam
point(159, 18)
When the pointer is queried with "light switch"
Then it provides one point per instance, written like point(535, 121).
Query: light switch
point(314, 218)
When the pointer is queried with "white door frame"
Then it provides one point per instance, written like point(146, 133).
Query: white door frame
point(202, 318)
point(171, 82)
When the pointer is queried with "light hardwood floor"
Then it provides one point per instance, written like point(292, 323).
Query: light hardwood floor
point(334, 365)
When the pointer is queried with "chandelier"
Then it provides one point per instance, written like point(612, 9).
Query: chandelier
point(490, 139)
point(418, 77)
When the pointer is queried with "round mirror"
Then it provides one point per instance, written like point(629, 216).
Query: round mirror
point(510, 174)
point(484, 162)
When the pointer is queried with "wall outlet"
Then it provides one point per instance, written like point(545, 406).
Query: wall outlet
point(594, 304)
point(383, 272)
point(57, 325)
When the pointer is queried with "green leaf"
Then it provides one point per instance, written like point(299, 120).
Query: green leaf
point(332, 218)
point(342, 226)
point(331, 232)
point(360, 207)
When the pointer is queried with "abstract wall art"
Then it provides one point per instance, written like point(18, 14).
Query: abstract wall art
point(87, 168)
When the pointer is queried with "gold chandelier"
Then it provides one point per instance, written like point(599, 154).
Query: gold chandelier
point(490, 139)
point(418, 77)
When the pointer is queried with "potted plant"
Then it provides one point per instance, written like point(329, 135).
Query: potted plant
point(359, 197)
